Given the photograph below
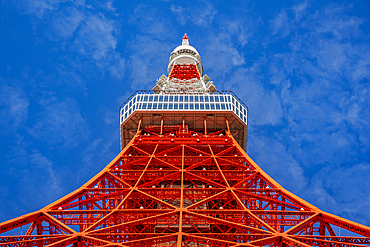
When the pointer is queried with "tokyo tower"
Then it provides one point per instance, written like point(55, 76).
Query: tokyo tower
point(182, 178)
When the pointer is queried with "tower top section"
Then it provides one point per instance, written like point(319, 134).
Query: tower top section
point(185, 72)
point(185, 40)
point(182, 96)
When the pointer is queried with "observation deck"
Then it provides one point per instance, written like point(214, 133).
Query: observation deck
point(200, 112)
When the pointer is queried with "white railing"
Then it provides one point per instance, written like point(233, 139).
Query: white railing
point(149, 101)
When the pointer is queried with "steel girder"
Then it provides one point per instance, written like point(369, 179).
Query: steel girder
point(171, 186)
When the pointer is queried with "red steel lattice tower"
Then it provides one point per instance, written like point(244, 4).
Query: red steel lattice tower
point(182, 178)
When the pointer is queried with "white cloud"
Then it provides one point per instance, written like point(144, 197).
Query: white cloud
point(274, 158)
point(151, 21)
point(65, 22)
point(13, 108)
point(45, 164)
point(39, 8)
point(264, 104)
point(221, 55)
point(203, 13)
point(60, 123)
point(149, 52)
point(96, 37)
point(179, 13)
point(343, 190)
point(281, 24)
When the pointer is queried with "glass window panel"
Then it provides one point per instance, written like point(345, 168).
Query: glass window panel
point(212, 106)
point(206, 99)
point(176, 106)
point(176, 98)
point(145, 98)
point(201, 98)
point(155, 106)
point(196, 106)
point(144, 106)
point(201, 106)
point(134, 100)
point(223, 107)
point(150, 106)
point(186, 98)
point(129, 112)
point(218, 106)
point(191, 106)
point(207, 106)
point(181, 106)
point(133, 108)
point(216, 98)
point(181, 98)
point(171, 98)
point(160, 98)
point(166, 98)
point(150, 98)
point(186, 106)
point(160, 106)
point(212, 98)
point(237, 112)
point(222, 98)
point(165, 106)
point(170, 106)
point(196, 98)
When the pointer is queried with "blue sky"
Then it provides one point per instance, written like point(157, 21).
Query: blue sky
point(302, 67)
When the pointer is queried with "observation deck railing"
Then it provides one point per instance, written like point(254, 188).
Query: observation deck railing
point(148, 100)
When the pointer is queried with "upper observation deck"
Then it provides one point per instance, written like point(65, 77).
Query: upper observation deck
point(185, 96)
point(220, 101)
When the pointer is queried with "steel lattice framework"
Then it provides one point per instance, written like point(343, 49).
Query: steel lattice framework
point(177, 182)
point(171, 186)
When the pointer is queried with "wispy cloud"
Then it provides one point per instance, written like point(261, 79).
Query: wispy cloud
point(65, 22)
point(201, 14)
point(60, 123)
point(221, 55)
point(149, 51)
point(321, 85)
point(96, 37)
point(13, 107)
point(281, 24)
point(180, 13)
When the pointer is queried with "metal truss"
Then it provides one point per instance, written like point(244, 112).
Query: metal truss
point(172, 186)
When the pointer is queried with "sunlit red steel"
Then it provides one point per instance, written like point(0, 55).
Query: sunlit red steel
point(184, 72)
point(172, 186)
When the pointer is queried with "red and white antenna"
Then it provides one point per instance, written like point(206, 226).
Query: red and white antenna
point(185, 40)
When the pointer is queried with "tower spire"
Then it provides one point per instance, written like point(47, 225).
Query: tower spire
point(185, 40)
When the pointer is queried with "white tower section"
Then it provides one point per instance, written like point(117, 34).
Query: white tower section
point(185, 72)
point(185, 54)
